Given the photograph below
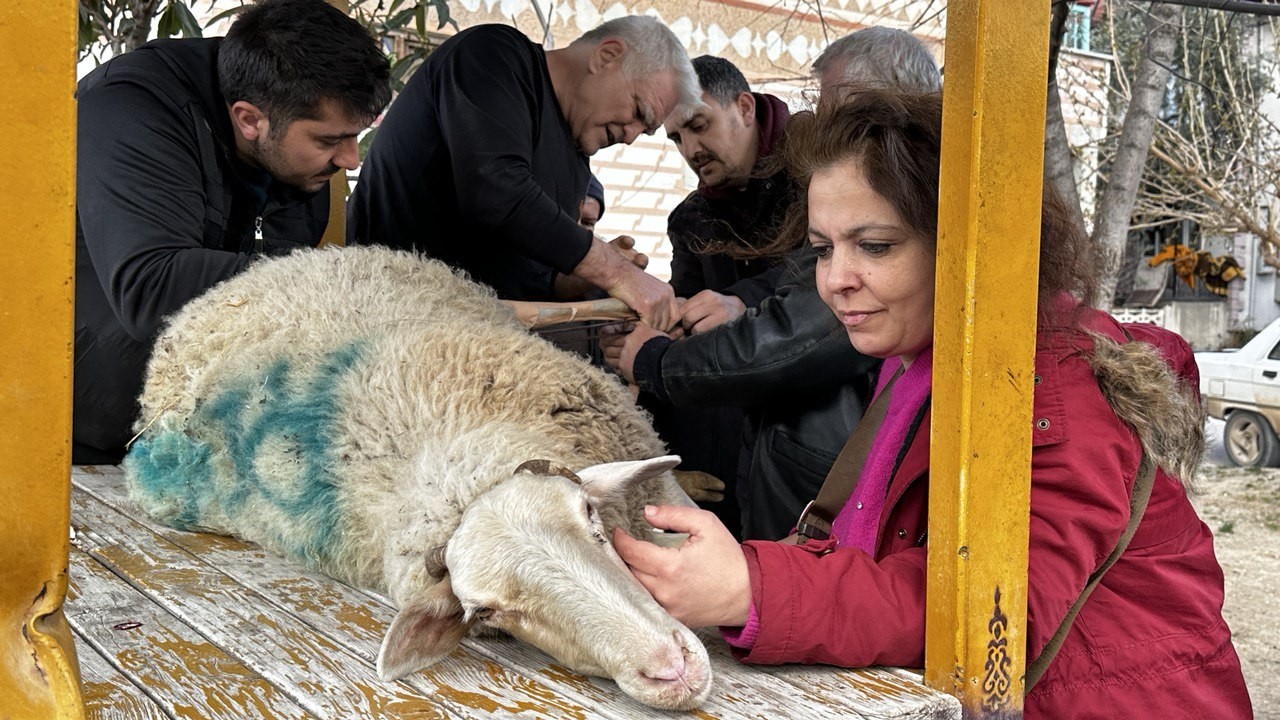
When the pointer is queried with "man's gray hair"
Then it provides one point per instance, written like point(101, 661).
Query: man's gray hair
point(881, 58)
point(651, 48)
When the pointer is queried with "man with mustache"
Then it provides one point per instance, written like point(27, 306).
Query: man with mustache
point(736, 207)
point(482, 159)
point(726, 143)
point(193, 157)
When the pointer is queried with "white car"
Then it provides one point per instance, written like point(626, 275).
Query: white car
point(1243, 387)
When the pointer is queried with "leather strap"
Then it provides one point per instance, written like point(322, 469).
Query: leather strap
point(1137, 507)
point(815, 520)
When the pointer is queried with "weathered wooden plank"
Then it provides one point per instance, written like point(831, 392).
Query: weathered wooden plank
point(150, 648)
point(107, 694)
point(322, 677)
point(474, 684)
point(356, 620)
point(741, 691)
point(863, 693)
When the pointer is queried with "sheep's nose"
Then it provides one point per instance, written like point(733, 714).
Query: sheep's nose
point(671, 663)
point(673, 671)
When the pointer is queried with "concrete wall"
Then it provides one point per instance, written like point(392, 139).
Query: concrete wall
point(1202, 324)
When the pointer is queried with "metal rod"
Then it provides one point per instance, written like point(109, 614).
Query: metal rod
point(1254, 7)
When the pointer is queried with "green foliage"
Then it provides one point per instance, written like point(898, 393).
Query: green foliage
point(110, 27)
point(1227, 527)
point(177, 19)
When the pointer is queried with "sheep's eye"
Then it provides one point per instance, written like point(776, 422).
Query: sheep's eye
point(597, 529)
point(481, 613)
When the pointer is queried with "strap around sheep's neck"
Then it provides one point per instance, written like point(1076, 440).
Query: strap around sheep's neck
point(547, 467)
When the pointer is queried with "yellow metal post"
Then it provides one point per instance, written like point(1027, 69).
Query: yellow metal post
point(984, 342)
point(335, 233)
point(38, 672)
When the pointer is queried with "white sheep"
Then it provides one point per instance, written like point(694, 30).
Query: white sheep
point(366, 410)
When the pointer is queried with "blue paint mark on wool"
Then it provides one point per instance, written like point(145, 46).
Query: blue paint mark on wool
point(173, 474)
point(272, 420)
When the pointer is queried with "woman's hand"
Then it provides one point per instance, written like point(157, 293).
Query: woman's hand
point(701, 583)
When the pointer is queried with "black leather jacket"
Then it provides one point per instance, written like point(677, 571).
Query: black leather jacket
point(790, 363)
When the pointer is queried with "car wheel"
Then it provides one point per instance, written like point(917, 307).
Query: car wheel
point(1249, 440)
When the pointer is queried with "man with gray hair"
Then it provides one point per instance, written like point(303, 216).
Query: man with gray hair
point(877, 57)
point(482, 159)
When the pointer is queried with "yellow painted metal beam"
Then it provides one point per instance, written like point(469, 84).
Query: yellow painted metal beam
point(984, 344)
point(39, 677)
point(335, 233)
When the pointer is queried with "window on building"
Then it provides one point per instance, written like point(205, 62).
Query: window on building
point(1077, 31)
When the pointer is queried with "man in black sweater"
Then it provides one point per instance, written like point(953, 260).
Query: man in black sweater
point(482, 159)
point(193, 157)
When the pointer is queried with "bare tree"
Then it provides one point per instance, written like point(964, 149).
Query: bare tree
point(1059, 163)
point(1189, 139)
point(1146, 97)
point(1218, 153)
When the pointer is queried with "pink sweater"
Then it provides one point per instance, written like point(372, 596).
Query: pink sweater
point(856, 524)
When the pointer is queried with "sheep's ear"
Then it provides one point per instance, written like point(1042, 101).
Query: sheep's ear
point(608, 483)
point(425, 631)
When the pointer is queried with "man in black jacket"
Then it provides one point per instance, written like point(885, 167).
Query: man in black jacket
point(193, 157)
point(482, 159)
point(789, 360)
point(738, 205)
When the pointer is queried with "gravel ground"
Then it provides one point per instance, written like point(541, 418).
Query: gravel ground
point(1242, 507)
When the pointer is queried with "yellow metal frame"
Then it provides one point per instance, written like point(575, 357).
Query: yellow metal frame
point(39, 677)
point(335, 233)
point(984, 343)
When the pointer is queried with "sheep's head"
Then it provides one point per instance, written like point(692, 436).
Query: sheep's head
point(532, 557)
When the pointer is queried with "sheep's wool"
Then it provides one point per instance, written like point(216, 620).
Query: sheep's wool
point(300, 403)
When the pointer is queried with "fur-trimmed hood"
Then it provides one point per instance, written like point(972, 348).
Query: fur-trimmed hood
point(1161, 404)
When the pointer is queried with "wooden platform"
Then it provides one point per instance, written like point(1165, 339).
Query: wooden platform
point(171, 624)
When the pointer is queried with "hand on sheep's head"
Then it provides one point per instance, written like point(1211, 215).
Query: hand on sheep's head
point(703, 582)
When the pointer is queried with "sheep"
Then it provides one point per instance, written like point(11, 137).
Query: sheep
point(372, 414)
